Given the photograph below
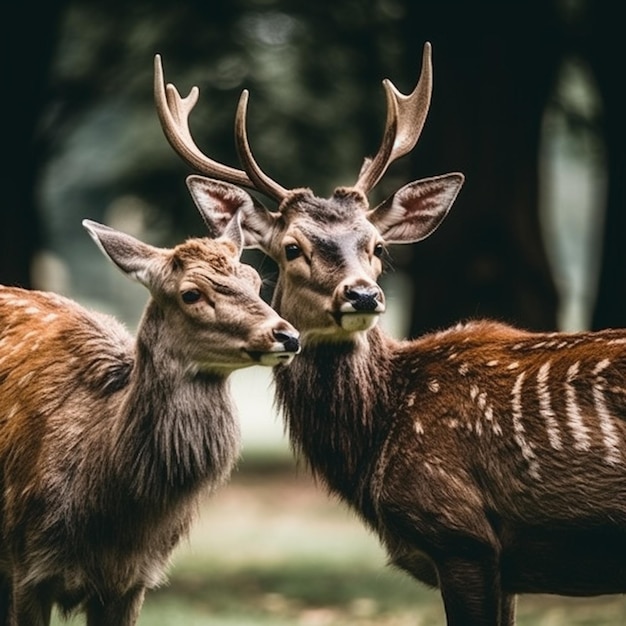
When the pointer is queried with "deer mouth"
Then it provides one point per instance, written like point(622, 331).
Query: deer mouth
point(356, 321)
point(271, 358)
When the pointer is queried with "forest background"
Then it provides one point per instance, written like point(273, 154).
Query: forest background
point(528, 103)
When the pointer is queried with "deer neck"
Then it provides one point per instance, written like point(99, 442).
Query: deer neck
point(177, 427)
point(335, 400)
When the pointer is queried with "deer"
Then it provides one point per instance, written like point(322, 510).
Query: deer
point(489, 460)
point(108, 442)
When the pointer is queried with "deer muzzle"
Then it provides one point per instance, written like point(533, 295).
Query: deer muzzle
point(358, 305)
point(283, 346)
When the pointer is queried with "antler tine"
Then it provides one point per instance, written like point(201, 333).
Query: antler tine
point(405, 119)
point(173, 112)
point(261, 181)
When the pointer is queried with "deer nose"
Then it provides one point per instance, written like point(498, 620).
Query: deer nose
point(366, 298)
point(289, 339)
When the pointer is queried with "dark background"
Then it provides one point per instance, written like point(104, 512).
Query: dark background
point(81, 138)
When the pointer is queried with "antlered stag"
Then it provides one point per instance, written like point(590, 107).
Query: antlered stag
point(107, 443)
point(490, 461)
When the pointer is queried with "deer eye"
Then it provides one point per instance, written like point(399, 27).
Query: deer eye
point(379, 249)
point(292, 251)
point(191, 296)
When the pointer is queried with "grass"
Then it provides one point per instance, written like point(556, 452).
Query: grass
point(272, 549)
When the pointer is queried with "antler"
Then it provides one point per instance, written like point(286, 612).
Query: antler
point(261, 181)
point(173, 112)
point(405, 119)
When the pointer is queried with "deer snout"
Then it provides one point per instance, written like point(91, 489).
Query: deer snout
point(281, 343)
point(358, 304)
point(289, 338)
point(366, 298)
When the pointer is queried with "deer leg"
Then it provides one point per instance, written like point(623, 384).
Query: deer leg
point(30, 606)
point(508, 607)
point(471, 592)
point(121, 611)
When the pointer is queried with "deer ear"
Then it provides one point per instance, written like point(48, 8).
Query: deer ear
point(217, 202)
point(415, 210)
point(220, 202)
point(135, 258)
point(234, 233)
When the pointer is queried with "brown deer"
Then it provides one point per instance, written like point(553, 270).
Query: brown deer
point(106, 444)
point(490, 461)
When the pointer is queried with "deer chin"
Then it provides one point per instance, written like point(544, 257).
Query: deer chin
point(358, 321)
point(271, 359)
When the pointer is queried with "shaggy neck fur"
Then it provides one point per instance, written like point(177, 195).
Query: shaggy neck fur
point(176, 427)
point(335, 398)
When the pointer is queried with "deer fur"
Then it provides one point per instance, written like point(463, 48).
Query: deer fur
point(108, 442)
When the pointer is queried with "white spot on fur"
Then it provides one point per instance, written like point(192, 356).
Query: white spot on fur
point(482, 400)
point(513, 365)
point(433, 385)
point(49, 318)
point(24, 380)
point(574, 415)
point(492, 363)
point(21, 302)
point(463, 369)
point(419, 429)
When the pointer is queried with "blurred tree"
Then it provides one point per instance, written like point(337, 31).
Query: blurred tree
point(28, 39)
point(317, 108)
point(495, 66)
point(601, 43)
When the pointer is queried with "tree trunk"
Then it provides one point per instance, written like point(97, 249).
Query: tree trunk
point(605, 50)
point(29, 35)
point(492, 79)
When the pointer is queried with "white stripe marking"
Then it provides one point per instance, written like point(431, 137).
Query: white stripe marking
point(518, 428)
point(433, 385)
point(545, 407)
point(574, 416)
point(610, 437)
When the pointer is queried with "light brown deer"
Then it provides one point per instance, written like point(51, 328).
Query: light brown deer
point(106, 444)
point(489, 460)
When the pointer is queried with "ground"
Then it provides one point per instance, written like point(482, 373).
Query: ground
point(272, 549)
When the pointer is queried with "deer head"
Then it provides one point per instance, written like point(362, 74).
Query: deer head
point(209, 298)
point(328, 250)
